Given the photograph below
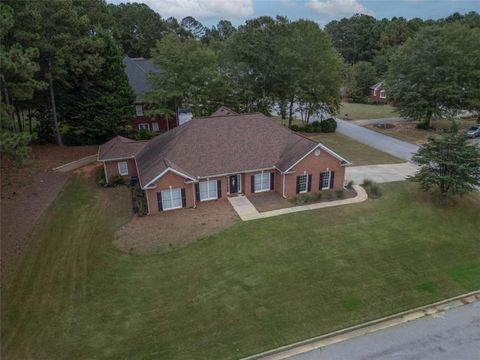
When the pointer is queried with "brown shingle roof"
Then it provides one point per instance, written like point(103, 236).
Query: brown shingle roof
point(119, 148)
point(222, 145)
point(224, 111)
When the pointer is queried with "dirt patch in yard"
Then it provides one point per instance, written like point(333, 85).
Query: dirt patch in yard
point(172, 229)
point(27, 192)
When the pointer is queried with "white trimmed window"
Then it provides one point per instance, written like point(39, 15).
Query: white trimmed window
point(155, 126)
point(171, 199)
point(139, 109)
point(262, 182)
point(208, 190)
point(383, 94)
point(122, 168)
point(325, 180)
point(302, 184)
point(143, 126)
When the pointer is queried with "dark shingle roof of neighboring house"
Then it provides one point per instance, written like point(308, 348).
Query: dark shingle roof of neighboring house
point(119, 148)
point(224, 111)
point(137, 70)
point(220, 145)
point(377, 85)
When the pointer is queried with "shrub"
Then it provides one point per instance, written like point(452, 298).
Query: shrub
point(328, 125)
point(140, 202)
point(423, 126)
point(350, 184)
point(328, 195)
point(144, 135)
point(340, 194)
point(308, 128)
point(367, 182)
point(375, 191)
point(372, 188)
point(295, 127)
point(117, 180)
point(100, 177)
point(306, 198)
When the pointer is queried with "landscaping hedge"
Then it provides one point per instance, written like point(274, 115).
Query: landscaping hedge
point(324, 126)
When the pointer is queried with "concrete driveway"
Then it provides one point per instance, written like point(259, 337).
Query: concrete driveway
point(395, 147)
point(380, 173)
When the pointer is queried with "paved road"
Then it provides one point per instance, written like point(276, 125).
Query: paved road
point(454, 334)
point(398, 148)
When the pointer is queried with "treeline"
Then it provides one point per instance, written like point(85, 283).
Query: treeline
point(368, 45)
point(266, 64)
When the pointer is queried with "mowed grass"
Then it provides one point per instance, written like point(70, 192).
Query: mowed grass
point(354, 151)
point(255, 286)
point(366, 111)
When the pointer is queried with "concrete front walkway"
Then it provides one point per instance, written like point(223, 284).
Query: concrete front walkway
point(380, 173)
point(247, 211)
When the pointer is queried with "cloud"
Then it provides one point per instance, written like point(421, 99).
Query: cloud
point(203, 9)
point(338, 7)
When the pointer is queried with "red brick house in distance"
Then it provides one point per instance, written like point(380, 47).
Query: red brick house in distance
point(378, 93)
point(209, 158)
point(137, 71)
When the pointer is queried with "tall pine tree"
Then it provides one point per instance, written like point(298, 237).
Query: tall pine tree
point(101, 106)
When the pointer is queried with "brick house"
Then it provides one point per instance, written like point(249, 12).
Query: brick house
point(378, 93)
point(226, 153)
point(137, 71)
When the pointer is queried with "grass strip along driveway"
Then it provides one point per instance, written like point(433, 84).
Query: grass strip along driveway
point(256, 286)
point(366, 111)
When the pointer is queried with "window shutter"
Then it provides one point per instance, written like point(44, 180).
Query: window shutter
point(252, 183)
point(332, 178)
point(320, 183)
point(184, 200)
point(197, 191)
point(272, 181)
point(219, 189)
point(159, 200)
point(298, 184)
point(309, 186)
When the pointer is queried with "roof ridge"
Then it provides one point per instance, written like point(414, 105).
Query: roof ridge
point(229, 116)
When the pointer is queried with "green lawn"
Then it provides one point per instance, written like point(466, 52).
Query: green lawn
point(366, 111)
point(354, 151)
point(255, 286)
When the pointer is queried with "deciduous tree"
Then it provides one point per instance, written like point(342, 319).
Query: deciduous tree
point(436, 73)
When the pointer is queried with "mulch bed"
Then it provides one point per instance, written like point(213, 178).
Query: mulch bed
point(26, 193)
point(171, 229)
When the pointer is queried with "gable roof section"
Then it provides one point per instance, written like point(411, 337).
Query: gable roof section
point(377, 85)
point(224, 111)
point(220, 145)
point(119, 148)
point(137, 70)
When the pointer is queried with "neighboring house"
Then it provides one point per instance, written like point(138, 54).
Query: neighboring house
point(211, 157)
point(138, 70)
point(378, 93)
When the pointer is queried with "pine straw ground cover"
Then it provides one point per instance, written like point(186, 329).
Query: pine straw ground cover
point(255, 286)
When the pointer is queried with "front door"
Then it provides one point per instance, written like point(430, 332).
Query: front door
point(233, 184)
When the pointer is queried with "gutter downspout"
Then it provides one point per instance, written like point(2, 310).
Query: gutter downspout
point(106, 174)
point(194, 196)
point(283, 187)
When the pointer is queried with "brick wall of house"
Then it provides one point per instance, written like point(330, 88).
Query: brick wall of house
point(163, 124)
point(164, 183)
point(315, 165)
point(112, 169)
point(176, 181)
